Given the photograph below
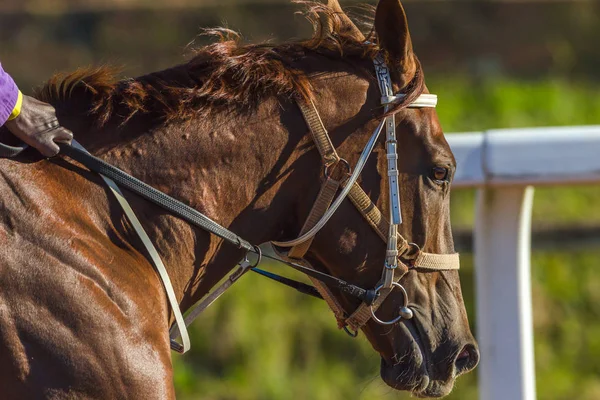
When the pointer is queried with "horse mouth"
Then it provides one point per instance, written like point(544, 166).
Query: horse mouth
point(411, 372)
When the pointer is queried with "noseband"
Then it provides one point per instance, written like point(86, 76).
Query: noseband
point(399, 250)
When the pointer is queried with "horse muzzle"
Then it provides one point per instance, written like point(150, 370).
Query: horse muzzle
point(424, 371)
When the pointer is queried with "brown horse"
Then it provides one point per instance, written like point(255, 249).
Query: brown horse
point(82, 311)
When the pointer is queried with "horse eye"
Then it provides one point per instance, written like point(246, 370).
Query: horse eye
point(439, 173)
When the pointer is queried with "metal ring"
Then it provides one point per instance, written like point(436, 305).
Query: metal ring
point(411, 252)
point(394, 284)
point(341, 160)
point(258, 252)
point(350, 333)
point(415, 247)
point(413, 244)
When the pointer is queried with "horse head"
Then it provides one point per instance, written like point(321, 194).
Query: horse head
point(426, 353)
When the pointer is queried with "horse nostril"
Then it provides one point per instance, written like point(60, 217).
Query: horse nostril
point(467, 359)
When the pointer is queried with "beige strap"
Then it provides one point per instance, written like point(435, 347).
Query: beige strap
point(423, 260)
point(362, 314)
point(369, 210)
point(373, 215)
point(319, 133)
point(437, 262)
point(157, 261)
point(328, 190)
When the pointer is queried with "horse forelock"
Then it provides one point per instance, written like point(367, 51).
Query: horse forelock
point(226, 75)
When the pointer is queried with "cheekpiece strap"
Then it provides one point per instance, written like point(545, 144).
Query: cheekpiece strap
point(318, 132)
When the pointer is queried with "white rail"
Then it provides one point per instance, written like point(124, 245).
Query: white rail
point(503, 165)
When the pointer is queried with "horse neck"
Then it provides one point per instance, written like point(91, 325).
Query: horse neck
point(255, 174)
point(237, 170)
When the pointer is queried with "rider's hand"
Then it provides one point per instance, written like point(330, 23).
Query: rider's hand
point(37, 126)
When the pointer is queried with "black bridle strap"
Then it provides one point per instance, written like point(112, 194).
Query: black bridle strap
point(155, 196)
point(367, 296)
point(7, 151)
point(299, 286)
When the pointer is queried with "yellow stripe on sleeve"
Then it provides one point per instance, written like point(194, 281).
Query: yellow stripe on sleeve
point(17, 110)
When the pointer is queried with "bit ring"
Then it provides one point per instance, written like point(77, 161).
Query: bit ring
point(405, 312)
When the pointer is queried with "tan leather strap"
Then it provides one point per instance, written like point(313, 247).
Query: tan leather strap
point(423, 260)
point(373, 215)
point(427, 261)
point(367, 208)
point(319, 133)
point(328, 190)
point(437, 262)
point(154, 256)
point(334, 305)
point(362, 314)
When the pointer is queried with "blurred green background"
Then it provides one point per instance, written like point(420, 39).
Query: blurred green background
point(493, 65)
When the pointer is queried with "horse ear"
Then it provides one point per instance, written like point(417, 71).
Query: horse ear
point(391, 27)
point(346, 25)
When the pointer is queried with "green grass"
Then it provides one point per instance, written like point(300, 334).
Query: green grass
point(263, 341)
point(499, 103)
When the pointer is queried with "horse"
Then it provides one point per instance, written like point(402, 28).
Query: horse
point(83, 313)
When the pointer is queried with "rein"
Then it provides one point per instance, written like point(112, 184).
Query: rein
point(116, 178)
point(399, 250)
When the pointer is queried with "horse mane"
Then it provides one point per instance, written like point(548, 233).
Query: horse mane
point(223, 76)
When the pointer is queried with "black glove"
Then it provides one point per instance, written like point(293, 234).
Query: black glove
point(37, 126)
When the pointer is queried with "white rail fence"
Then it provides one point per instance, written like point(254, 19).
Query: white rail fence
point(504, 165)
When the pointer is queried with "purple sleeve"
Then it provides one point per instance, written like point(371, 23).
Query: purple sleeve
point(8, 95)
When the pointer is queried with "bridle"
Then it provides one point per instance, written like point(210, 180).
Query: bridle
point(399, 250)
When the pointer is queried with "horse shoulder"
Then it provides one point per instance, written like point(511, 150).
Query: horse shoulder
point(80, 312)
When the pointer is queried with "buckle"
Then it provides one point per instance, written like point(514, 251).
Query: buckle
point(410, 254)
point(403, 313)
point(328, 172)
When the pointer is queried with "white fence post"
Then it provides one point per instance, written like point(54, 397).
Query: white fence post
point(501, 163)
point(503, 289)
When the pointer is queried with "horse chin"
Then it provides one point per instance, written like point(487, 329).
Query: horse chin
point(418, 382)
point(410, 373)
